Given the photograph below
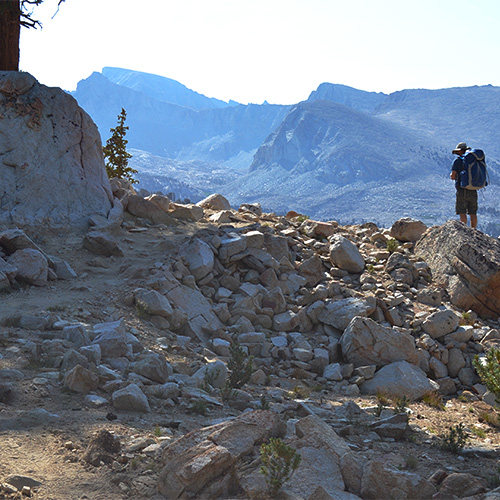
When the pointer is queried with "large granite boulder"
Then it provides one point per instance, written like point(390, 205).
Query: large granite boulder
point(52, 168)
point(203, 462)
point(408, 229)
point(400, 379)
point(345, 254)
point(339, 313)
point(467, 263)
point(365, 342)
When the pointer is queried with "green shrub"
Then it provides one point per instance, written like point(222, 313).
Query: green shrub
point(411, 462)
point(379, 409)
point(299, 392)
point(240, 366)
point(494, 479)
point(383, 398)
point(401, 405)
point(302, 218)
point(199, 407)
point(467, 318)
point(227, 392)
point(264, 403)
point(455, 439)
point(279, 462)
point(488, 369)
point(392, 245)
point(434, 399)
point(477, 431)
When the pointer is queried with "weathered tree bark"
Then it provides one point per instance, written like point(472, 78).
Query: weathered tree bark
point(10, 28)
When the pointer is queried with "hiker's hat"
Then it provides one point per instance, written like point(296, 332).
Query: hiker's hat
point(461, 146)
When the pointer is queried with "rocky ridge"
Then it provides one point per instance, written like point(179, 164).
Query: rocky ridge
point(334, 317)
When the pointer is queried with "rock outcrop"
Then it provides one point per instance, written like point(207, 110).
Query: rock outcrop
point(51, 156)
point(467, 263)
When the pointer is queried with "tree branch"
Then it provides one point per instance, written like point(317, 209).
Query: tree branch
point(60, 2)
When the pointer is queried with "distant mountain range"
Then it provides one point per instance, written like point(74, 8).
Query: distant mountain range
point(344, 154)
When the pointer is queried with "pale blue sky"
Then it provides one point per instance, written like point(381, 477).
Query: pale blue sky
point(274, 50)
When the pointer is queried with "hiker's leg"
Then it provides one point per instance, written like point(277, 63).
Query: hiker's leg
point(473, 220)
point(461, 205)
point(472, 208)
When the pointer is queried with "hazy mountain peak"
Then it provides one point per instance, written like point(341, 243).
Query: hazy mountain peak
point(349, 96)
point(161, 88)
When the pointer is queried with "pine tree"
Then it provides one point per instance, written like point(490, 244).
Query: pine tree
point(115, 152)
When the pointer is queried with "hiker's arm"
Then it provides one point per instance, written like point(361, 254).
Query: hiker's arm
point(455, 168)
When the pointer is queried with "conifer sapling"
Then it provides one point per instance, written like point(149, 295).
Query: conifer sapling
point(115, 152)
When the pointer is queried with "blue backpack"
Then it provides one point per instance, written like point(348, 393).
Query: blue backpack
point(474, 175)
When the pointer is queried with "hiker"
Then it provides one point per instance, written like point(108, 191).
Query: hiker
point(466, 199)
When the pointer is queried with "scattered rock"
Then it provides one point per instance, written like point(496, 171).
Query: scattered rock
point(102, 448)
point(102, 243)
point(32, 267)
point(407, 229)
point(215, 202)
point(345, 255)
point(131, 398)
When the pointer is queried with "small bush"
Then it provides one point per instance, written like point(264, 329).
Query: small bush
point(488, 369)
point(11, 321)
point(141, 309)
point(379, 409)
point(240, 366)
point(264, 403)
point(279, 462)
point(227, 392)
point(392, 245)
point(383, 398)
point(434, 399)
point(467, 318)
point(494, 479)
point(199, 407)
point(477, 431)
point(209, 380)
point(302, 218)
point(6, 393)
point(411, 462)
point(455, 439)
point(401, 405)
point(300, 392)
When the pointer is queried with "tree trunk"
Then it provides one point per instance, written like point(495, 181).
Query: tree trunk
point(10, 28)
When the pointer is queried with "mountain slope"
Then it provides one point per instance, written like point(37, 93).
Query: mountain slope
point(470, 114)
point(342, 146)
point(329, 161)
point(354, 98)
point(161, 88)
point(232, 133)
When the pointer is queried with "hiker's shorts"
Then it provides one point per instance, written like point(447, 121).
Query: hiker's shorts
point(466, 202)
